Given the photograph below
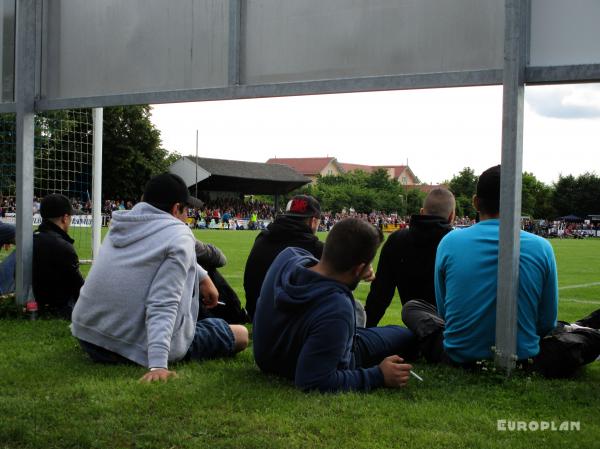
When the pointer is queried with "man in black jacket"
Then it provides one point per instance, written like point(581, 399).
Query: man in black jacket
point(56, 275)
point(7, 267)
point(297, 227)
point(407, 259)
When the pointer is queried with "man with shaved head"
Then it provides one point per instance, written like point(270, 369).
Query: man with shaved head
point(462, 329)
point(407, 258)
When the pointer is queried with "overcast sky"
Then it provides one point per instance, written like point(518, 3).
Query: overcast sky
point(439, 131)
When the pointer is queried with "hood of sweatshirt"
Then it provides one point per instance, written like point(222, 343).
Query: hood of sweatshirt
point(290, 288)
point(283, 227)
point(423, 227)
point(143, 221)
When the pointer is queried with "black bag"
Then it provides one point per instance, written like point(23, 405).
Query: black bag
point(563, 352)
point(232, 311)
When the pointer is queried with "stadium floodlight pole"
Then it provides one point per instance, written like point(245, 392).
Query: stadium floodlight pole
point(98, 117)
point(25, 77)
point(515, 55)
point(196, 193)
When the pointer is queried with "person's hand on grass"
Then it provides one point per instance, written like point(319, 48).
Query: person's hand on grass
point(209, 293)
point(160, 374)
point(395, 373)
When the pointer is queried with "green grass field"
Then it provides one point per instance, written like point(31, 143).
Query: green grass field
point(52, 396)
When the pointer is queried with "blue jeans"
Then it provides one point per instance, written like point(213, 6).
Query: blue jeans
point(373, 344)
point(213, 338)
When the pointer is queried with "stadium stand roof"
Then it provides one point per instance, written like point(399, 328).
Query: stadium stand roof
point(221, 175)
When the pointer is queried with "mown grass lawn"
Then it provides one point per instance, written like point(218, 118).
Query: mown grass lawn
point(51, 396)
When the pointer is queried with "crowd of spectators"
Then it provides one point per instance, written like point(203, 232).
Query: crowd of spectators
point(112, 205)
point(562, 229)
point(464, 221)
point(8, 205)
point(257, 215)
point(379, 219)
point(237, 208)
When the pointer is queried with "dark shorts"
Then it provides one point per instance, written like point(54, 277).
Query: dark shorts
point(213, 338)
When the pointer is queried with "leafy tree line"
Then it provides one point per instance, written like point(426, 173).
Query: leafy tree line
point(376, 191)
point(132, 152)
point(569, 195)
point(54, 131)
point(365, 192)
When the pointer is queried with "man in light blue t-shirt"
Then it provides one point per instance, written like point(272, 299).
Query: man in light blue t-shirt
point(463, 329)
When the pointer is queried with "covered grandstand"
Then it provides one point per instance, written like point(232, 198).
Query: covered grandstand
point(250, 178)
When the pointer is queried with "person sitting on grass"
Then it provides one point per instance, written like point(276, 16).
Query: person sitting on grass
point(56, 279)
point(141, 299)
point(296, 227)
point(304, 325)
point(407, 257)
point(7, 267)
point(462, 330)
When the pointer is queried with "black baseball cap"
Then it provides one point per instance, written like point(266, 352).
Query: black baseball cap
point(55, 205)
point(303, 206)
point(488, 185)
point(166, 189)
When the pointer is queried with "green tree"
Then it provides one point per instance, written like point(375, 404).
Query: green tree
point(464, 207)
point(464, 184)
point(8, 155)
point(55, 134)
point(578, 196)
point(414, 201)
point(380, 180)
point(536, 197)
point(132, 151)
point(361, 191)
point(463, 187)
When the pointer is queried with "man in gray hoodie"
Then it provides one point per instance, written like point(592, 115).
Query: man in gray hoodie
point(141, 299)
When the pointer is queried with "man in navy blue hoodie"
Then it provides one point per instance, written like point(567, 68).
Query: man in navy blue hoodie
point(304, 325)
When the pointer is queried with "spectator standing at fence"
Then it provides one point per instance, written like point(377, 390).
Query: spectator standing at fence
point(407, 258)
point(296, 227)
point(226, 217)
point(56, 278)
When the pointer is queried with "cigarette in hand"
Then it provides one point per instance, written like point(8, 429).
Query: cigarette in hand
point(416, 375)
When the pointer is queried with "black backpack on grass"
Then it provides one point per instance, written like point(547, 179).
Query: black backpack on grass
point(564, 351)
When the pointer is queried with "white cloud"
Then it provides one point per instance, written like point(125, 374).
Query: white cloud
point(565, 102)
